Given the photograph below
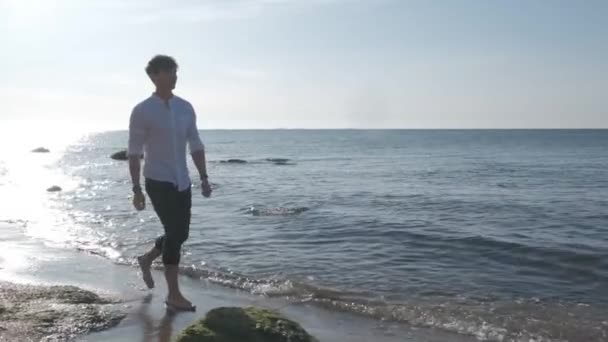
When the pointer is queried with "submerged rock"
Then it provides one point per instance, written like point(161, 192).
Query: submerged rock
point(277, 160)
point(41, 150)
point(55, 313)
point(280, 161)
point(54, 188)
point(234, 161)
point(244, 324)
point(278, 211)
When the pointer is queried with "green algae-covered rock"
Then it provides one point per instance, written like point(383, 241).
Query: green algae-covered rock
point(244, 324)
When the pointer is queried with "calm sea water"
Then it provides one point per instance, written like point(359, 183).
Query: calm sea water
point(498, 234)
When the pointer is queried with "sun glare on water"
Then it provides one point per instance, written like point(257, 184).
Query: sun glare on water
point(25, 176)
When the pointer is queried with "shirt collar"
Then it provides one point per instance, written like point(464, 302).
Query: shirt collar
point(161, 100)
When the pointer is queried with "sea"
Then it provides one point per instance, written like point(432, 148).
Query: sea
point(497, 234)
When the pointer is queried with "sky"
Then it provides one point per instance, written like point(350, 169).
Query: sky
point(310, 63)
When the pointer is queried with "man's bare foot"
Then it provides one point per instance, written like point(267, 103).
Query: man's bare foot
point(145, 264)
point(179, 303)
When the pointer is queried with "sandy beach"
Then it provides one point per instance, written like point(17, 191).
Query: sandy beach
point(27, 261)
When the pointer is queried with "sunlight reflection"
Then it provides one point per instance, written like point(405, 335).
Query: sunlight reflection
point(26, 176)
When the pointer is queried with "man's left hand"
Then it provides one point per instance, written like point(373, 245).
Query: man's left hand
point(206, 188)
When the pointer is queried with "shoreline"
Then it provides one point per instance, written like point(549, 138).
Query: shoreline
point(24, 260)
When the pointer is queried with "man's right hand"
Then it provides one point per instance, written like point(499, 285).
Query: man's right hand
point(139, 201)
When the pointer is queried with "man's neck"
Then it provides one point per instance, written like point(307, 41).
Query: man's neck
point(164, 94)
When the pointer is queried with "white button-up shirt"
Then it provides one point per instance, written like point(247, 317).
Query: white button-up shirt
point(163, 129)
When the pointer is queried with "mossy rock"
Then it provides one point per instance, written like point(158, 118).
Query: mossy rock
point(249, 324)
point(75, 295)
point(60, 294)
point(44, 318)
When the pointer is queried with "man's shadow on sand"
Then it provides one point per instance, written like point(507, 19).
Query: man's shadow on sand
point(152, 332)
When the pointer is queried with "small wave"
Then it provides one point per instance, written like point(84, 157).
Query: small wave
point(17, 222)
point(506, 185)
point(551, 256)
point(102, 251)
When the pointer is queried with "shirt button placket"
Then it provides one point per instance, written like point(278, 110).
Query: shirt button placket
point(174, 144)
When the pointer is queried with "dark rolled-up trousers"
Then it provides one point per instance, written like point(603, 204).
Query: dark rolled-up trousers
point(173, 209)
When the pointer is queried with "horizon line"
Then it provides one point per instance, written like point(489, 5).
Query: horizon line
point(392, 129)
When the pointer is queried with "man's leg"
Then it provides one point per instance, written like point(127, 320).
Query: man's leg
point(173, 240)
point(145, 264)
point(157, 192)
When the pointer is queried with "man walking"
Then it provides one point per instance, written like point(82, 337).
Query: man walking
point(162, 125)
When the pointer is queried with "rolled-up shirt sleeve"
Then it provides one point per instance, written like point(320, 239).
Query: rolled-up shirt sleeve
point(137, 133)
point(194, 139)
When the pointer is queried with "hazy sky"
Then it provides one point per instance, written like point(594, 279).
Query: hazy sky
point(311, 63)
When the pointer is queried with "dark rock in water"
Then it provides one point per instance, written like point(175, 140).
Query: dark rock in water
point(234, 161)
point(280, 161)
point(244, 324)
point(41, 150)
point(54, 188)
point(121, 155)
point(277, 160)
point(278, 211)
point(55, 313)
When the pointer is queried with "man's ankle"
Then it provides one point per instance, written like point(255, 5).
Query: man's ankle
point(152, 254)
point(178, 296)
point(146, 259)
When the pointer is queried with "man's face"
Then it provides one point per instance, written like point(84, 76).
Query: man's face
point(165, 79)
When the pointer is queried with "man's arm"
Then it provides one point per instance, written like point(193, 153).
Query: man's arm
point(135, 170)
point(198, 157)
point(201, 163)
point(137, 138)
point(197, 148)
